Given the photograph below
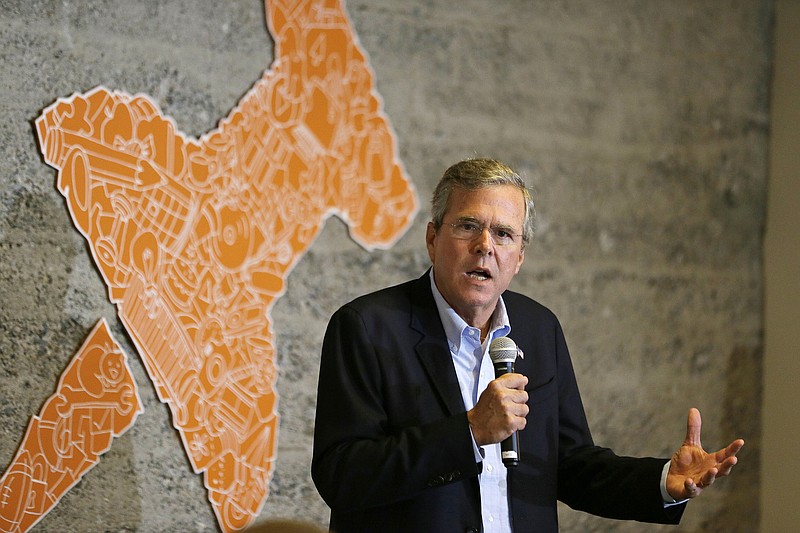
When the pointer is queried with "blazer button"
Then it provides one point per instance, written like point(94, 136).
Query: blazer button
point(471, 530)
point(436, 481)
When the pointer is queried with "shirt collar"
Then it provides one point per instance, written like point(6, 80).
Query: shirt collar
point(454, 325)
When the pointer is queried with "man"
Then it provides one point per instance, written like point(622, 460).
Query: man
point(409, 415)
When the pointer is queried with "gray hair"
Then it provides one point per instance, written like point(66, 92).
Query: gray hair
point(474, 174)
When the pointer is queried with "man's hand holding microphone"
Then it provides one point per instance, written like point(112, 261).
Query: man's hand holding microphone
point(502, 407)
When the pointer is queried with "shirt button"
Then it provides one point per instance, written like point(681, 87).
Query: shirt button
point(489, 467)
point(491, 518)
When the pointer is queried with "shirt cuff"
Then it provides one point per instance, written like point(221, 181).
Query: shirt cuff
point(479, 453)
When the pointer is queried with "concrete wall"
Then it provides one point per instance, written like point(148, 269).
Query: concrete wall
point(642, 127)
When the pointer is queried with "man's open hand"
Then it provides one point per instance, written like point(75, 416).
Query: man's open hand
point(692, 469)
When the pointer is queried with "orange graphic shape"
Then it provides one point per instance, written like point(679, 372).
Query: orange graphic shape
point(195, 237)
point(96, 400)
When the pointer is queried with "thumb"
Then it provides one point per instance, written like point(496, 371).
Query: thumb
point(693, 425)
point(513, 381)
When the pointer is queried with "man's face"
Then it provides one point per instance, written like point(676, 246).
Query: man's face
point(472, 274)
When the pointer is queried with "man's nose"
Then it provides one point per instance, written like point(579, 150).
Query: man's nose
point(484, 245)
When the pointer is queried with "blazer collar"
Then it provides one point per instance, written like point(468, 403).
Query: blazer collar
point(432, 349)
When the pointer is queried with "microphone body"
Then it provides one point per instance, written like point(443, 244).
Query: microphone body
point(503, 352)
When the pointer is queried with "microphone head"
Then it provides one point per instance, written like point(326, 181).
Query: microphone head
point(503, 350)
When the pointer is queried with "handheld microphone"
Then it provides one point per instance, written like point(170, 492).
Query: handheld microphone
point(503, 352)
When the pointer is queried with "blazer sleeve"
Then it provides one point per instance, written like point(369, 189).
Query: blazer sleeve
point(369, 450)
point(594, 479)
point(559, 457)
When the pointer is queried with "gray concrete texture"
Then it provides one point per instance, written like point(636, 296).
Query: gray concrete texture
point(642, 127)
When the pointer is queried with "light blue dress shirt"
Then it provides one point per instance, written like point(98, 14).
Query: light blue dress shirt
point(474, 370)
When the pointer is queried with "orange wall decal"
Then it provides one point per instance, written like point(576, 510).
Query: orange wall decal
point(96, 400)
point(195, 237)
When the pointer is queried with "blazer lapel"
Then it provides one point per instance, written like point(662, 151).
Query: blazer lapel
point(432, 349)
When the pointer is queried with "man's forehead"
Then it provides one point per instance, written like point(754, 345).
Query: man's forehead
point(473, 203)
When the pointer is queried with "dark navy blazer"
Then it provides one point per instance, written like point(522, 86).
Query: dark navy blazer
point(392, 446)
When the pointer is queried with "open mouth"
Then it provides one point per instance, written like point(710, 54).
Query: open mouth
point(480, 275)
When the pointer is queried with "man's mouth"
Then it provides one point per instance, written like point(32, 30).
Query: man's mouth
point(480, 275)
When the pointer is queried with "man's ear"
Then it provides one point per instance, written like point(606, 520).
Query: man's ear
point(520, 260)
point(430, 240)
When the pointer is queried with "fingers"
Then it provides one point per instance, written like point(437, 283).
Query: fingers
point(693, 425)
point(520, 410)
point(711, 475)
point(726, 466)
point(729, 457)
point(694, 488)
point(513, 381)
point(510, 388)
point(501, 409)
point(708, 478)
point(726, 457)
point(511, 400)
point(734, 447)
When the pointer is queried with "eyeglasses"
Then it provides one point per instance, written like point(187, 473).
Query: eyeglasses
point(467, 230)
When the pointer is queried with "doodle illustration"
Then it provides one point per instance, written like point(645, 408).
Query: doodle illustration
point(95, 401)
point(195, 237)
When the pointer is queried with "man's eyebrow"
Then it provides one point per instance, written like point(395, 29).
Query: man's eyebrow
point(504, 227)
point(469, 218)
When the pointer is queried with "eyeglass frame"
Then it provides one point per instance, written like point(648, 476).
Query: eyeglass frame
point(476, 229)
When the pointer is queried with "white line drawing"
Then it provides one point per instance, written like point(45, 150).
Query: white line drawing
point(96, 399)
point(195, 237)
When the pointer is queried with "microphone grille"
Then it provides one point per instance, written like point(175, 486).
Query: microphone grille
point(503, 350)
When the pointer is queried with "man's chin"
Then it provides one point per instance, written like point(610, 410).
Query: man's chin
point(480, 297)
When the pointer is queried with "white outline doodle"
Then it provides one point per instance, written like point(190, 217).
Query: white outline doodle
point(195, 237)
point(96, 399)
